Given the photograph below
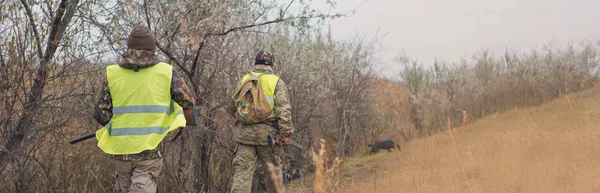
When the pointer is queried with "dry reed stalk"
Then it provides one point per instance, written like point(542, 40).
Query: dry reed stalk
point(337, 167)
point(272, 171)
point(465, 118)
point(327, 177)
point(332, 176)
point(318, 161)
point(570, 103)
point(322, 174)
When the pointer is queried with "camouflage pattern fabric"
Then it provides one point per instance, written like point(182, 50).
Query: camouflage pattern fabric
point(245, 162)
point(135, 60)
point(264, 57)
point(137, 176)
point(256, 134)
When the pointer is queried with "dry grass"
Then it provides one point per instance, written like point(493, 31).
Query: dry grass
point(326, 177)
point(272, 171)
point(550, 148)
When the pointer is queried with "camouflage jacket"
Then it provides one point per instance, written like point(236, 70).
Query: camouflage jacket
point(136, 59)
point(256, 134)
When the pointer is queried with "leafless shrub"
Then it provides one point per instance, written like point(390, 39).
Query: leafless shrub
point(495, 84)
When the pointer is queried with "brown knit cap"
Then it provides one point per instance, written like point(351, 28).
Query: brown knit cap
point(141, 38)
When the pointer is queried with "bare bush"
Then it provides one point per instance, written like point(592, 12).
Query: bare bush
point(46, 88)
point(454, 91)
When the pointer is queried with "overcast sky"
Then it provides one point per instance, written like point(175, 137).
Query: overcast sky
point(451, 29)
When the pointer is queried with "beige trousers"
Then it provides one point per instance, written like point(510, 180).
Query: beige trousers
point(137, 176)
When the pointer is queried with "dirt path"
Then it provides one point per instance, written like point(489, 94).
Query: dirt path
point(551, 148)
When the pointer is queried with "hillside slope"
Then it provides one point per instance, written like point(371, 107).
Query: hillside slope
point(554, 147)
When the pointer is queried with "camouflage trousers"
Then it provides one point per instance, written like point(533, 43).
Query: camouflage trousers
point(244, 165)
point(137, 176)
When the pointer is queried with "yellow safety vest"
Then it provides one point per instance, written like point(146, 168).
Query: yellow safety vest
point(143, 111)
point(268, 82)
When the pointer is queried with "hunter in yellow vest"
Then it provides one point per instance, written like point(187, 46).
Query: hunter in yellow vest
point(141, 102)
point(252, 144)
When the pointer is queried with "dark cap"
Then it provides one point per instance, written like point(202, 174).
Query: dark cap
point(264, 57)
point(141, 38)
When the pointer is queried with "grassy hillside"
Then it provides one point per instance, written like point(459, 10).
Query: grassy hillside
point(550, 148)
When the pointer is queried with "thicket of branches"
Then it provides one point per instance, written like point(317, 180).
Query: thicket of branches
point(452, 93)
point(52, 58)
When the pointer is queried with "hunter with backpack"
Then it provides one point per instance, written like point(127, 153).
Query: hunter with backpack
point(262, 110)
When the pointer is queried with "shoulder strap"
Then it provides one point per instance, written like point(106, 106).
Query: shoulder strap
point(260, 74)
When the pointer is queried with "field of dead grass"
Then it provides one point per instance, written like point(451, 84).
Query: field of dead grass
point(554, 147)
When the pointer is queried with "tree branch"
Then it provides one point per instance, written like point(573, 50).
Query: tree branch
point(279, 20)
point(62, 17)
point(146, 14)
point(163, 49)
point(196, 58)
point(36, 34)
point(171, 57)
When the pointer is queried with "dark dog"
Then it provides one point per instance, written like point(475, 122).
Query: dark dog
point(387, 144)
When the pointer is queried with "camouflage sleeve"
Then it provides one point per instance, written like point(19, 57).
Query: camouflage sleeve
point(283, 109)
point(230, 106)
point(180, 92)
point(103, 109)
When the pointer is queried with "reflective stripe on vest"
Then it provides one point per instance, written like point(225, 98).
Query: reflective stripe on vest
point(143, 111)
point(268, 82)
point(138, 130)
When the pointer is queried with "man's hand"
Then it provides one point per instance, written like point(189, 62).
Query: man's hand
point(283, 141)
point(286, 141)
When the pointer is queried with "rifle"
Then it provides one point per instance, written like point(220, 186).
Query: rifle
point(277, 140)
point(189, 115)
point(89, 136)
point(92, 135)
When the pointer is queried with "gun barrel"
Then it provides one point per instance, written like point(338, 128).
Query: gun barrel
point(92, 135)
point(297, 145)
point(272, 142)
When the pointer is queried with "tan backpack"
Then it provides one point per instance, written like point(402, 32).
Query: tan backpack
point(251, 102)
